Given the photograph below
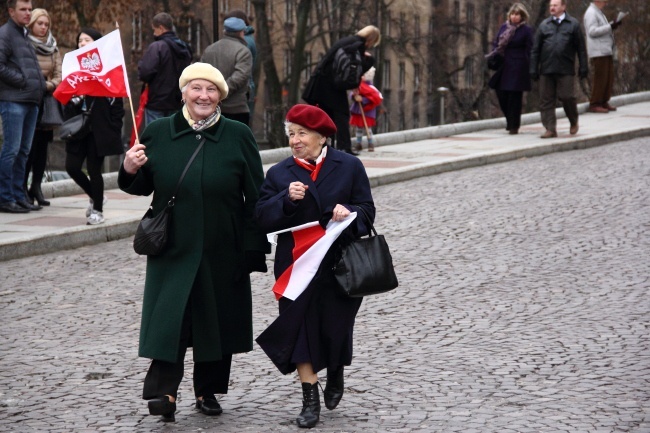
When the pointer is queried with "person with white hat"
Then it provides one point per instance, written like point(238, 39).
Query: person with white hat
point(198, 292)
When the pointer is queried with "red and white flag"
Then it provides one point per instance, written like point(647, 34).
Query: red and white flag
point(311, 243)
point(97, 69)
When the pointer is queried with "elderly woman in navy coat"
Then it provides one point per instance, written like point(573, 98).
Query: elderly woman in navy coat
point(513, 45)
point(318, 183)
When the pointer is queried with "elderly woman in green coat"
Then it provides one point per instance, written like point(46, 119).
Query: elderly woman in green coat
point(197, 292)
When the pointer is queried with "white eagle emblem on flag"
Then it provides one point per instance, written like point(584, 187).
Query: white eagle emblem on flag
point(90, 61)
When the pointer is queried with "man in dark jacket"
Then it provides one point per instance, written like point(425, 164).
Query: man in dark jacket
point(21, 90)
point(161, 67)
point(557, 42)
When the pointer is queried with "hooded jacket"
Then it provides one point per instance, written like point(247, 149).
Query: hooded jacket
point(161, 67)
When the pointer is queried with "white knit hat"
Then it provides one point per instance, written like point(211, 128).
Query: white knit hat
point(204, 71)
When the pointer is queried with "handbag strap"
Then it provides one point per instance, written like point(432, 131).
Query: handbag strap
point(173, 199)
point(372, 227)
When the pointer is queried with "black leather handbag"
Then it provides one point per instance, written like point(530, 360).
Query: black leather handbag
point(76, 127)
point(151, 236)
point(365, 266)
point(51, 113)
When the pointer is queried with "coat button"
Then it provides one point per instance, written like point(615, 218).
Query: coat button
point(198, 137)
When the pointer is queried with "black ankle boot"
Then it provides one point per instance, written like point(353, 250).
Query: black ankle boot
point(334, 388)
point(310, 413)
point(164, 407)
point(36, 193)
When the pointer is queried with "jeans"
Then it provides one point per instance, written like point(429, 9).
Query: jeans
point(18, 125)
point(151, 115)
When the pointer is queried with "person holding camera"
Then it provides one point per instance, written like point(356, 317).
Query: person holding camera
point(104, 139)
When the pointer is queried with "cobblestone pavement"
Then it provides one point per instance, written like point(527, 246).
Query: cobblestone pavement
point(523, 307)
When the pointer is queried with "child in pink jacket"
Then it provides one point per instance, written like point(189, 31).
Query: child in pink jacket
point(370, 98)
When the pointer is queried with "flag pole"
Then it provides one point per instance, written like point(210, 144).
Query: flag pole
point(126, 79)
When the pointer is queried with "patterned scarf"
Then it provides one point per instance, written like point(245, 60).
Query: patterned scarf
point(313, 167)
point(505, 37)
point(199, 125)
point(45, 46)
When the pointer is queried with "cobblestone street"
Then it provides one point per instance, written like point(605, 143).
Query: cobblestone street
point(523, 307)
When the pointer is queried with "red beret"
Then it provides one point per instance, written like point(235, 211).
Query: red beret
point(313, 118)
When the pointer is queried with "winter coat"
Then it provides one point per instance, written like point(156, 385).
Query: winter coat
point(321, 313)
point(371, 99)
point(50, 65)
point(21, 79)
point(106, 119)
point(161, 67)
point(600, 36)
point(231, 56)
point(211, 229)
point(556, 46)
point(514, 75)
point(320, 89)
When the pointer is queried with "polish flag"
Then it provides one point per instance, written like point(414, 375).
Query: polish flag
point(97, 69)
point(311, 243)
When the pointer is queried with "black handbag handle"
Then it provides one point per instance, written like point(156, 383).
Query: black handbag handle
point(187, 167)
point(372, 227)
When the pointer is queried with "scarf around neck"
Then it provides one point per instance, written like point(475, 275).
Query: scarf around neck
point(199, 125)
point(46, 45)
point(505, 38)
point(313, 167)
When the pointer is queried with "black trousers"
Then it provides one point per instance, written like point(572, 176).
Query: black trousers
point(510, 103)
point(164, 378)
point(341, 119)
point(37, 159)
point(239, 117)
point(94, 186)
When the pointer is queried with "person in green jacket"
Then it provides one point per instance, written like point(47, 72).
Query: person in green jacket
point(197, 292)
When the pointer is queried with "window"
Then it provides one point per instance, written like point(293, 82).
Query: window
point(225, 6)
point(402, 75)
point(307, 71)
point(387, 29)
point(287, 65)
point(402, 25)
point(289, 12)
point(416, 77)
point(386, 75)
point(470, 21)
point(136, 24)
point(457, 17)
point(416, 28)
point(469, 73)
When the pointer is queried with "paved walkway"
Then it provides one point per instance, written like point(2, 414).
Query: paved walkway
point(399, 156)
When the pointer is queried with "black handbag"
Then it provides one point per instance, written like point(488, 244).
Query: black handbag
point(51, 113)
point(495, 62)
point(76, 127)
point(152, 233)
point(365, 266)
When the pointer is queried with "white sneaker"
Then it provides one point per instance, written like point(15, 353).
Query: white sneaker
point(94, 218)
point(90, 206)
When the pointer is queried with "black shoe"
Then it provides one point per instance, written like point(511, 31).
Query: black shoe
point(27, 205)
point(35, 193)
point(209, 405)
point(162, 406)
point(310, 413)
point(351, 152)
point(334, 388)
point(12, 207)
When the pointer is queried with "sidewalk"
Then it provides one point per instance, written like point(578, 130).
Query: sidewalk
point(398, 156)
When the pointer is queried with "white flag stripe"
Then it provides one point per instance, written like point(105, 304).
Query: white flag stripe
point(272, 236)
point(306, 266)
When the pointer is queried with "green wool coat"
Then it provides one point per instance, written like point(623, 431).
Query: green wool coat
point(212, 227)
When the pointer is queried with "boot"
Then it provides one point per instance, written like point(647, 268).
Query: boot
point(371, 146)
point(36, 193)
point(310, 413)
point(334, 388)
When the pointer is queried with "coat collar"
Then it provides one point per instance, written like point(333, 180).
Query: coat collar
point(332, 162)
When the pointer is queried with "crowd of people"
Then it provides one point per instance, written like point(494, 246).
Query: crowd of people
point(197, 292)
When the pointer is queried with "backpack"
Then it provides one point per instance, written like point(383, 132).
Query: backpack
point(347, 68)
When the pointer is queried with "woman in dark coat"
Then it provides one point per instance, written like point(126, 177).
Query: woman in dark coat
point(197, 292)
point(318, 183)
point(512, 44)
point(321, 90)
point(106, 117)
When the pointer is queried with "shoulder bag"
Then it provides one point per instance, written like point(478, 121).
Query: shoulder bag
point(365, 266)
point(151, 235)
point(77, 127)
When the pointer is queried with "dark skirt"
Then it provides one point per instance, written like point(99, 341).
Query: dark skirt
point(317, 327)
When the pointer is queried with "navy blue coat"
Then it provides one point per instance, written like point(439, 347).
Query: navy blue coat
point(321, 315)
point(515, 76)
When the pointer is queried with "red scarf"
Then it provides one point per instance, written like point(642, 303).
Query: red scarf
point(313, 169)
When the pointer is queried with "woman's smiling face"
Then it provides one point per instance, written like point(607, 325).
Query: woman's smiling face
point(201, 98)
point(304, 143)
